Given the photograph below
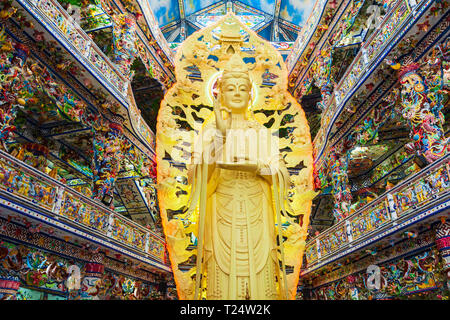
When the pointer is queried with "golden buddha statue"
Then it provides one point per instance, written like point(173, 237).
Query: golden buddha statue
point(228, 203)
point(239, 248)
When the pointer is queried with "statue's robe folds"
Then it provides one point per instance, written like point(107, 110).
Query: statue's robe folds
point(240, 248)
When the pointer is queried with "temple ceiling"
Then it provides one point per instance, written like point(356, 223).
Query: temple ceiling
point(278, 21)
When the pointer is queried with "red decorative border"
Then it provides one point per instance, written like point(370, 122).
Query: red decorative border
point(443, 243)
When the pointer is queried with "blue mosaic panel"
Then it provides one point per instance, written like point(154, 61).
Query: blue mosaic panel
point(248, 18)
point(165, 11)
point(192, 6)
point(268, 6)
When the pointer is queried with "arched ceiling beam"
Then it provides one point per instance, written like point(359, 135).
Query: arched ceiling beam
point(285, 34)
point(275, 28)
point(289, 26)
point(170, 27)
point(189, 23)
point(173, 35)
point(182, 30)
point(181, 8)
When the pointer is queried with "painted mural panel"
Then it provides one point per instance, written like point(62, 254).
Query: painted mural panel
point(21, 184)
point(369, 220)
point(388, 29)
point(439, 180)
point(65, 25)
point(311, 253)
point(43, 275)
point(80, 41)
point(126, 233)
point(399, 278)
point(156, 248)
point(404, 200)
point(333, 241)
point(76, 210)
point(423, 190)
point(305, 34)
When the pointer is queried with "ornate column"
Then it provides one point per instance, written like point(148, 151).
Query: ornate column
point(10, 267)
point(93, 275)
point(323, 65)
point(108, 142)
point(443, 245)
point(322, 77)
point(421, 99)
point(15, 87)
point(124, 42)
point(337, 171)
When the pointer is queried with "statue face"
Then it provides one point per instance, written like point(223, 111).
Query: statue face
point(236, 93)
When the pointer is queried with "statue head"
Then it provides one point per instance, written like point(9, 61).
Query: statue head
point(235, 85)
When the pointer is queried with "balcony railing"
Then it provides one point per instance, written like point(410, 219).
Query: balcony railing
point(402, 201)
point(76, 41)
point(71, 36)
point(26, 184)
point(394, 26)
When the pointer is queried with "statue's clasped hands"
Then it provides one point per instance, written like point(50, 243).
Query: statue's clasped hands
point(240, 164)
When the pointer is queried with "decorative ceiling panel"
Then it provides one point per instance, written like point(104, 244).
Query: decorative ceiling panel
point(268, 6)
point(274, 20)
point(250, 18)
point(165, 11)
point(296, 11)
point(192, 6)
point(211, 16)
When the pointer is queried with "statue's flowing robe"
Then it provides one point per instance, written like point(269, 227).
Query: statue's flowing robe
point(240, 240)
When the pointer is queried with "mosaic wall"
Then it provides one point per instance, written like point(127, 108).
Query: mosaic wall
point(40, 190)
point(37, 271)
point(16, 181)
point(398, 279)
point(82, 42)
point(422, 189)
